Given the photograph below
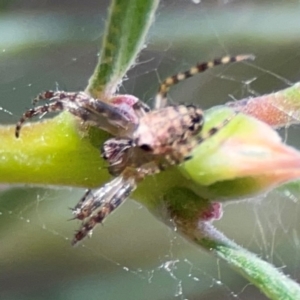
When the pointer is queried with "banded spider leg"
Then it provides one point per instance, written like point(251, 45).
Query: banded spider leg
point(93, 199)
point(88, 109)
point(161, 99)
point(106, 199)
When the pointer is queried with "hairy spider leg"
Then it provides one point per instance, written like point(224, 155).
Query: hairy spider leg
point(55, 106)
point(39, 110)
point(141, 108)
point(82, 208)
point(108, 205)
point(80, 105)
point(110, 196)
point(203, 137)
point(44, 96)
point(57, 95)
point(213, 130)
point(161, 96)
point(93, 199)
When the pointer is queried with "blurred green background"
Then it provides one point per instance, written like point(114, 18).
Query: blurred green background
point(54, 44)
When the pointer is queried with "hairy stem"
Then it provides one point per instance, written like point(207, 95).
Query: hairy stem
point(124, 37)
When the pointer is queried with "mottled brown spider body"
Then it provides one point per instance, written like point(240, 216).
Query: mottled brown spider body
point(146, 142)
point(162, 130)
point(163, 136)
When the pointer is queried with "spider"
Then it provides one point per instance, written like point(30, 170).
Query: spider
point(146, 141)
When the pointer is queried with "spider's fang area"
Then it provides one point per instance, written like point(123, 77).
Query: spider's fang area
point(113, 149)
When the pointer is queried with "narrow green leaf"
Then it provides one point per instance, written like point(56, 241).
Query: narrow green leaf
point(124, 37)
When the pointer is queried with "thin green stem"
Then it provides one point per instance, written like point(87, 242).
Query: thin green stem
point(272, 282)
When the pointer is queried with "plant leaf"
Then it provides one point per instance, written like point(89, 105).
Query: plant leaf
point(125, 34)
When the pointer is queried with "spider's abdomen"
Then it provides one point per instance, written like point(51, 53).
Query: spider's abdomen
point(160, 131)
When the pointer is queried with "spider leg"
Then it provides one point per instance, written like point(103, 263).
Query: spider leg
point(39, 110)
point(111, 196)
point(92, 107)
point(141, 108)
point(212, 131)
point(88, 109)
point(81, 210)
point(106, 206)
point(98, 108)
point(43, 96)
point(55, 95)
point(161, 96)
point(186, 150)
point(93, 199)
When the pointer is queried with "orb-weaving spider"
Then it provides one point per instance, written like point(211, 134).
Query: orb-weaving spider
point(146, 141)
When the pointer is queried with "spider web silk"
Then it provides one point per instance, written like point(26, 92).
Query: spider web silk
point(134, 256)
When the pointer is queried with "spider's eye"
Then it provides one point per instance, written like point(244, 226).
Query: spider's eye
point(146, 147)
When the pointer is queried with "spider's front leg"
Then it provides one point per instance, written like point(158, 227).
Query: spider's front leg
point(75, 103)
point(109, 197)
point(93, 199)
point(57, 95)
point(109, 117)
point(39, 110)
point(103, 202)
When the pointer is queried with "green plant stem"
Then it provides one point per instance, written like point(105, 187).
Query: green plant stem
point(187, 216)
point(273, 283)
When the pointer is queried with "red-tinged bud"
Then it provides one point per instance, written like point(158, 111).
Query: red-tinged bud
point(244, 158)
point(278, 109)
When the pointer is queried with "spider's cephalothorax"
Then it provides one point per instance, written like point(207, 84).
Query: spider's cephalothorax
point(163, 136)
point(146, 142)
